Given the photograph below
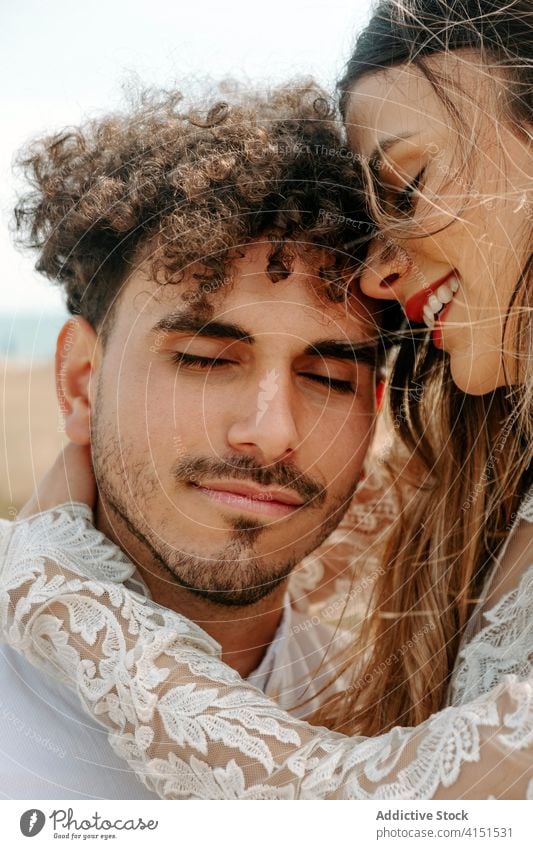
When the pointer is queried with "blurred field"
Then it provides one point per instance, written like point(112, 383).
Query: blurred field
point(30, 431)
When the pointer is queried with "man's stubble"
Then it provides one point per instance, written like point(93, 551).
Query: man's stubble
point(232, 576)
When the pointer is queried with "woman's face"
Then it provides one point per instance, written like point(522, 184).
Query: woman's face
point(466, 186)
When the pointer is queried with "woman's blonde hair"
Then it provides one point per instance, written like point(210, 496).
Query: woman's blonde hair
point(473, 454)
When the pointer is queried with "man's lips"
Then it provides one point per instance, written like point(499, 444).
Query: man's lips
point(414, 306)
point(256, 493)
point(273, 502)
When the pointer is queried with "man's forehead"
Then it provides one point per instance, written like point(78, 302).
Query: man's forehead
point(248, 295)
point(267, 317)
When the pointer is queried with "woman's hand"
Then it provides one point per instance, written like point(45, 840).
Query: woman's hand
point(71, 478)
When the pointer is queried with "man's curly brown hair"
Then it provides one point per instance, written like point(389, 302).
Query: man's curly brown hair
point(188, 185)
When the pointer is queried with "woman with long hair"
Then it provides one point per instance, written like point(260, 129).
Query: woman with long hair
point(437, 101)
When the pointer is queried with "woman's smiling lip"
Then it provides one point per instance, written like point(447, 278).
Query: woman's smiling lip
point(268, 502)
point(436, 334)
point(414, 306)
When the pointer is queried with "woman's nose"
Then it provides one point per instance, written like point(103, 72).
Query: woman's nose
point(385, 268)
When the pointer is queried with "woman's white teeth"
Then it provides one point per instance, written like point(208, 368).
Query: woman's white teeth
point(429, 317)
point(434, 303)
point(444, 294)
point(437, 300)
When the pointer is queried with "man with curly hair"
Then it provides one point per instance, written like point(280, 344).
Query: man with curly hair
point(220, 364)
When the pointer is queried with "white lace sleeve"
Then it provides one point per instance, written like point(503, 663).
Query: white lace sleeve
point(190, 727)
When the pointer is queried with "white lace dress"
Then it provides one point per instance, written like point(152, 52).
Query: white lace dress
point(191, 728)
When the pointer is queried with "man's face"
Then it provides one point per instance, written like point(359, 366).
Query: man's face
point(229, 443)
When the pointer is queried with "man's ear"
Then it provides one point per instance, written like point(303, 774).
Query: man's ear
point(77, 361)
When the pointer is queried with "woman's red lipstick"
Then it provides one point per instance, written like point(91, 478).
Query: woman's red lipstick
point(414, 306)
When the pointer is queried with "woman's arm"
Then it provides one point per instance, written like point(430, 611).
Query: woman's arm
point(190, 727)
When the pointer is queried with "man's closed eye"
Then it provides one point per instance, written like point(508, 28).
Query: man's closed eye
point(194, 361)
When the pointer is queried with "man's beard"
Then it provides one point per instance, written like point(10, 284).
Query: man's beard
point(234, 575)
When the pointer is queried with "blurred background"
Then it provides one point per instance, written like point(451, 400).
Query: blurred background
point(63, 62)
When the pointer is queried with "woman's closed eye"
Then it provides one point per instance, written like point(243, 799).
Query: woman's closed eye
point(405, 200)
point(193, 361)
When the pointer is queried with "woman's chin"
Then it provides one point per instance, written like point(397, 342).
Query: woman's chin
point(477, 373)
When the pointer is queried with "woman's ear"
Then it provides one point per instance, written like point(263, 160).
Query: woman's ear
point(77, 360)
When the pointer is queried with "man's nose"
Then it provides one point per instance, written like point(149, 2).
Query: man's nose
point(387, 266)
point(265, 425)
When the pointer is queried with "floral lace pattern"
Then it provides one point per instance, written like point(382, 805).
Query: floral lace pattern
point(526, 508)
point(504, 646)
point(190, 727)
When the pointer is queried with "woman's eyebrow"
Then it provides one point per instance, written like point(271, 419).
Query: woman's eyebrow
point(386, 145)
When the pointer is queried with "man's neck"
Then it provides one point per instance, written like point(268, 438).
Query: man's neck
point(244, 633)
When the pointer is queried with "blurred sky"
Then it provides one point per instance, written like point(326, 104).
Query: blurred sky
point(64, 60)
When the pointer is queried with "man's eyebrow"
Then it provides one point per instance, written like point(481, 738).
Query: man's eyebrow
point(187, 322)
point(359, 352)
